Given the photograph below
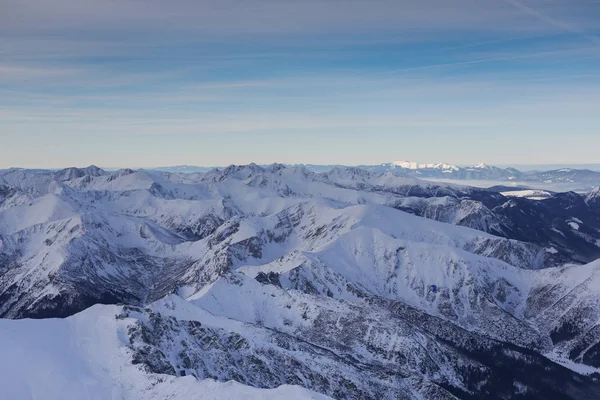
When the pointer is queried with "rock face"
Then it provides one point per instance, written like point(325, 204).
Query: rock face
point(275, 275)
point(87, 357)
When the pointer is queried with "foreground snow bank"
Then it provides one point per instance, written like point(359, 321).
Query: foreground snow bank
point(84, 357)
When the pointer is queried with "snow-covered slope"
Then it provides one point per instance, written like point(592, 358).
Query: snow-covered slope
point(350, 283)
point(593, 198)
point(87, 357)
point(529, 194)
point(76, 237)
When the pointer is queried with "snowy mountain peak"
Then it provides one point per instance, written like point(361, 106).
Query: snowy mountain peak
point(414, 165)
point(350, 173)
point(593, 196)
point(124, 172)
point(240, 171)
point(71, 173)
point(275, 167)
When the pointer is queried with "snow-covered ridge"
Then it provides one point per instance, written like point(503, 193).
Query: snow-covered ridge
point(440, 166)
point(55, 222)
point(415, 165)
point(351, 283)
point(593, 197)
point(529, 194)
point(86, 357)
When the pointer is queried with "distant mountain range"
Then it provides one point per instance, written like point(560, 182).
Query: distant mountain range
point(561, 178)
point(579, 179)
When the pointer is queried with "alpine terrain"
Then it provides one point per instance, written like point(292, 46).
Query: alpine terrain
point(272, 282)
point(579, 178)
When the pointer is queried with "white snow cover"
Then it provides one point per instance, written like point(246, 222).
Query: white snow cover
point(530, 194)
point(339, 230)
point(74, 213)
point(481, 165)
point(415, 165)
point(84, 357)
point(594, 195)
point(573, 225)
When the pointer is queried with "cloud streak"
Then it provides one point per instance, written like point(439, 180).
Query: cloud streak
point(188, 75)
point(584, 50)
point(228, 17)
point(554, 22)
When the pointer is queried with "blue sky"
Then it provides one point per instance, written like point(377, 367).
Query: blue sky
point(135, 83)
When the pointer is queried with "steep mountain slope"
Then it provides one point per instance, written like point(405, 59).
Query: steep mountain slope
point(593, 198)
point(349, 283)
point(133, 237)
point(556, 221)
point(347, 350)
point(87, 357)
point(264, 336)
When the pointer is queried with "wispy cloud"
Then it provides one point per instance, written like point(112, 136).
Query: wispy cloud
point(183, 74)
point(584, 50)
point(554, 22)
point(12, 73)
point(228, 17)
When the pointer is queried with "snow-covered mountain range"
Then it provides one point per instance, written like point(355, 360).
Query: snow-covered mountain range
point(580, 178)
point(572, 178)
point(351, 283)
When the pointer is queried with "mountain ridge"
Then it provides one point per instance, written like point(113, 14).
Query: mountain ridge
point(580, 178)
point(277, 275)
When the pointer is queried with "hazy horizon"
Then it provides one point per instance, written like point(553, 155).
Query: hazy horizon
point(168, 83)
point(521, 167)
